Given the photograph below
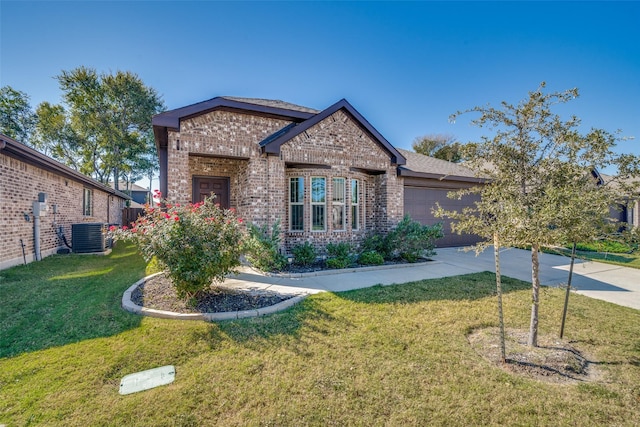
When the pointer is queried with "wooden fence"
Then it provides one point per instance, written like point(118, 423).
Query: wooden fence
point(131, 214)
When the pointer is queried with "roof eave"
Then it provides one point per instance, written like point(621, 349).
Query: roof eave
point(29, 155)
point(171, 119)
point(440, 177)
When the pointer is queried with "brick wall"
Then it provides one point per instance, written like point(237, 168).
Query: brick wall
point(338, 141)
point(225, 144)
point(21, 183)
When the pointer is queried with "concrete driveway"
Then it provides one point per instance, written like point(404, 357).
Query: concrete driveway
point(616, 284)
point(619, 285)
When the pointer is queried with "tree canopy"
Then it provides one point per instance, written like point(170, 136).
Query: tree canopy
point(543, 187)
point(440, 146)
point(103, 127)
point(17, 119)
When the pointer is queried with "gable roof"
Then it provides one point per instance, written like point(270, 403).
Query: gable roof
point(421, 166)
point(171, 119)
point(15, 149)
point(273, 143)
point(275, 103)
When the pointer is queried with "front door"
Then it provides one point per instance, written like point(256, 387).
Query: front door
point(204, 186)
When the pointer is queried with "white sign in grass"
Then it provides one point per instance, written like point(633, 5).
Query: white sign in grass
point(145, 380)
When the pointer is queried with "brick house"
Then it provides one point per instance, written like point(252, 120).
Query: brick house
point(326, 176)
point(70, 198)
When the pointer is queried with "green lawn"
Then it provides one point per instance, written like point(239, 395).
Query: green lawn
point(624, 259)
point(394, 355)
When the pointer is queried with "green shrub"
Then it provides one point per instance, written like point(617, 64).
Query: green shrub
point(339, 255)
point(377, 243)
point(609, 246)
point(338, 263)
point(413, 240)
point(196, 243)
point(262, 247)
point(304, 254)
point(370, 258)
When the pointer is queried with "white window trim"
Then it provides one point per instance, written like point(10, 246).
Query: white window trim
point(338, 203)
point(87, 205)
point(312, 204)
point(356, 205)
point(300, 203)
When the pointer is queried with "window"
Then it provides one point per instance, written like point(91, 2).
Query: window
point(355, 204)
point(337, 203)
point(296, 204)
point(87, 202)
point(318, 200)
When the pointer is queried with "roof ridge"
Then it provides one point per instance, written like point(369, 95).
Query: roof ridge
point(277, 103)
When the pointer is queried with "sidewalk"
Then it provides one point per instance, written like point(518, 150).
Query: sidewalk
point(616, 284)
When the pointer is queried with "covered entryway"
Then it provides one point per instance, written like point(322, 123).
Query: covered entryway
point(419, 203)
point(203, 186)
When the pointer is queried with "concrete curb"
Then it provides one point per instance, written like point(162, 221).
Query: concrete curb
point(343, 270)
point(130, 306)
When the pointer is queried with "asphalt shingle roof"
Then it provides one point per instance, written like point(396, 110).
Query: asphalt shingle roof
point(276, 103)
point(424, 164)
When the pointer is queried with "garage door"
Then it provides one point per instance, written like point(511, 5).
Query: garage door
point(418, 203)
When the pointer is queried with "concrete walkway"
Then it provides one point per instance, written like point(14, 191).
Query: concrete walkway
point(619, 285)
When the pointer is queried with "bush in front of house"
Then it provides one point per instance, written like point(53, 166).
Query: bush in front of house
point(370, 258)
point(262, 247)
point(378, 243)
point(339, 255)
point(196, 243)
point(304, 254)
point(412, 240)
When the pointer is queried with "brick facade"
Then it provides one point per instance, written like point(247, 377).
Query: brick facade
point(21, 182)
point(226, 143)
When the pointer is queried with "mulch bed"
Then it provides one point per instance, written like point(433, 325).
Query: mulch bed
point(554, 360)
point(322, 266)
point(159, 293)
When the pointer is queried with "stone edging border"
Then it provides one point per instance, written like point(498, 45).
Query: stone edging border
point(130, 306)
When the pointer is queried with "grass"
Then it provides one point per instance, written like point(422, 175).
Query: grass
point(624, 259)
point(393, 355)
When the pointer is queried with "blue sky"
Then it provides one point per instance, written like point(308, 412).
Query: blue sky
point(406, 66)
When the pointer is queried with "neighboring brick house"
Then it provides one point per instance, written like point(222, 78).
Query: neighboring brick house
point(24, 174)
point(326, 176)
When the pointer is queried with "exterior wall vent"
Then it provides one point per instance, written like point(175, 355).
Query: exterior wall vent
point(88, 237)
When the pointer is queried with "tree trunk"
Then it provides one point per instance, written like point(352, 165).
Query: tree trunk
point(566, 295)
point(116, 179)
point(496, 254)
point(535, 296)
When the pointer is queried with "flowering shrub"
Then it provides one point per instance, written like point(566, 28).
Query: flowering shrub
point(197, 243)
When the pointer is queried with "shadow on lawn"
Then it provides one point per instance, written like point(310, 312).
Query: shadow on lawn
point(64, 299)
point(457, 288)
point(320, 313)
point(269, 331)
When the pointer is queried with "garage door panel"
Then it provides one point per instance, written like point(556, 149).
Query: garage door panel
point(419, 203)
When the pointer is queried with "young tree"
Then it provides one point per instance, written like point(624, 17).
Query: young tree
point(541, 189)
point(444, 147)
point(16, 116)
